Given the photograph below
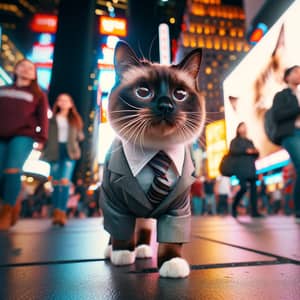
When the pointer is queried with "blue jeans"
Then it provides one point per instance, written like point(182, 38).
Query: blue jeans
point(197, 205)
point(13, 154)
point(61, 173)
point(292, 146)
point(210, 200)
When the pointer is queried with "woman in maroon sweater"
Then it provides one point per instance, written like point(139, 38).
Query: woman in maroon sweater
point(23, 120)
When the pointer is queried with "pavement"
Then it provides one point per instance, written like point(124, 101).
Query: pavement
point(230, 259)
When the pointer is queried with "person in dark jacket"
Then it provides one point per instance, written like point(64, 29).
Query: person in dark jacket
point(286, 113)
point(23, 120)
point(245, 154)
point(62, 150)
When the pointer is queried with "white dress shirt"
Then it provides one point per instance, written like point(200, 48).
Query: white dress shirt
point(138, 159)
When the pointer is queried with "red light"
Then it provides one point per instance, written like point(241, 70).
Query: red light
point(44, 23)
point(256, 35)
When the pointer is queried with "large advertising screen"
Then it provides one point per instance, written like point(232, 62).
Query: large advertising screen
point(215, 146)
point(250, 88)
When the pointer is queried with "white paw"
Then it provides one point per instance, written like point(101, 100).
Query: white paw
point(122, 257)
point(107, 251)
point(143, 251)
point(175, 268)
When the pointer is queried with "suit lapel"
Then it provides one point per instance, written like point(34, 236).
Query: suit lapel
point(122, 175)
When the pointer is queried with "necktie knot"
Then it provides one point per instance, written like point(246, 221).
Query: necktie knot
point(160, 164)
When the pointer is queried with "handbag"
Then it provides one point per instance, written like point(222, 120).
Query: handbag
point(271, 127)
point(227, 164)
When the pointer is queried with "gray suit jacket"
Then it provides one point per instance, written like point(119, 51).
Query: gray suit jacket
point(122, 201)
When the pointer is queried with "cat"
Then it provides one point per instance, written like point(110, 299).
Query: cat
point(151, 107)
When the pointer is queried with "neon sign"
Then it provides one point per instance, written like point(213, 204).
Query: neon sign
point(44, 23)
point(113, 26)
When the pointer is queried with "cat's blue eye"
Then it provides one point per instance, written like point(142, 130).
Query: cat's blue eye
point(180, 94)
point(143, 92)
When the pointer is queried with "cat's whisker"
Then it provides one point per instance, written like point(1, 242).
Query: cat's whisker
point(137, 132)
point(134, 134)
point(193, 113)
point(184, 133)
point(141, 135)
point(131, 123)
point(121, 111)
point(124, 118)
point(138, 139)
point(130, 105)
point(192, 124)
point(128, 127)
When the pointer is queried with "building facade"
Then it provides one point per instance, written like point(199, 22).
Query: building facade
point(220, 31)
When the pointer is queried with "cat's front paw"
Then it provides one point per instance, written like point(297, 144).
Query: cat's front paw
point(175, 268)
point(122, 257)
point(143, 251)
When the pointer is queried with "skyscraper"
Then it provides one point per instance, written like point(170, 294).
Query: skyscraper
point(220, 31)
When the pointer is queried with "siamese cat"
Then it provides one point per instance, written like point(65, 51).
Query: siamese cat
point(152, 108)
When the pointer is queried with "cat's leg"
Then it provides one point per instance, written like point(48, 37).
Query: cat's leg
point(170, 261)
point(123, 252)
point(144, 229)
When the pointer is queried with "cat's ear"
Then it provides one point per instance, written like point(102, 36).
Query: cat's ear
point(124, 58)
point(191, 63)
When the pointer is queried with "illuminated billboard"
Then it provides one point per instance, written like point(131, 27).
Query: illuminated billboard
point(250, 88)
point(113, 26)
point(215, 134)
point(44, 23)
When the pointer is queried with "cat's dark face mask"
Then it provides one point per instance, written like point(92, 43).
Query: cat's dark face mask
point(153, 104)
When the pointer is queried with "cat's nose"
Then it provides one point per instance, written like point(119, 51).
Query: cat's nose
point(165, 106)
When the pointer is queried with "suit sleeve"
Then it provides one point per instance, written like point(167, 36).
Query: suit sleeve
point(117, 220)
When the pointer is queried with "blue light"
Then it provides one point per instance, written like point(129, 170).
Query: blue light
point(274, 166)
point(44, 77)
point(106, 80)
point(45, 39)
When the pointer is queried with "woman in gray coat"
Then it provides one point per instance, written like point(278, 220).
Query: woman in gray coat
point(62, 150)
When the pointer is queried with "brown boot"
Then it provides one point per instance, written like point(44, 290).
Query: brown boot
point(56, 216)
point(62, 218)
point(15, 213)
point(5, 216)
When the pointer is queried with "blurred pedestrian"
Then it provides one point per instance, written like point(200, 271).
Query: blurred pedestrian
point(210, 199)
point(223, 191)
point(288, 174)
point(276, 199)
point(62, 150)
point(80, 190)
point(263, 195)
point(245, 154)
point(23, 120)
point(197, 197)
point(286, 113)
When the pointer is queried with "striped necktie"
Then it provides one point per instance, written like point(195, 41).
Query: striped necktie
point(160, 186)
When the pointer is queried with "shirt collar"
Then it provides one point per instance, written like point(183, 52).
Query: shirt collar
point(137, 157)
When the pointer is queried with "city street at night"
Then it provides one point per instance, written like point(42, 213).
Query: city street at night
point(230, 259)
point(116, 114)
